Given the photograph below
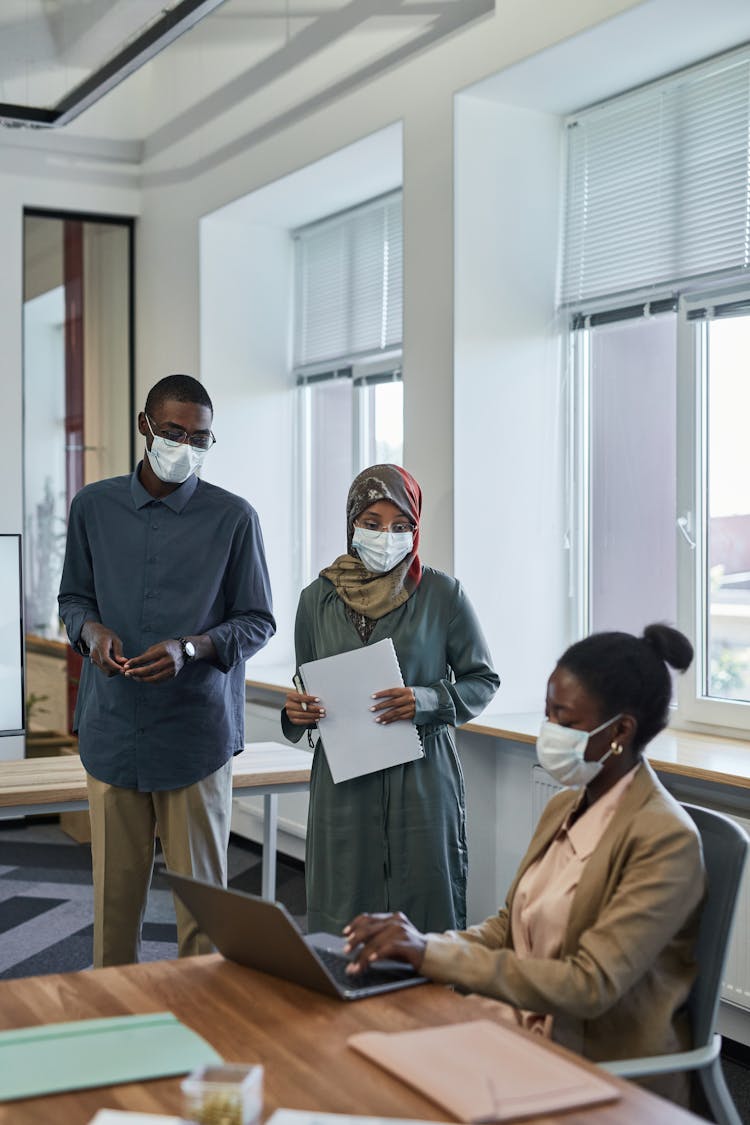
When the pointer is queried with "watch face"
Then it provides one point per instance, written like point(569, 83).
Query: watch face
point(189, 648)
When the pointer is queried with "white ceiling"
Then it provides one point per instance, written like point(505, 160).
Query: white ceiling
point(251, 58)
point(639, 45)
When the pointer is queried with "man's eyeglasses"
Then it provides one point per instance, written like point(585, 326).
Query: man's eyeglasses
point(398, 527)
point(175, 435)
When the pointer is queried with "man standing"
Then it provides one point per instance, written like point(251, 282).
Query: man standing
point(165, 590)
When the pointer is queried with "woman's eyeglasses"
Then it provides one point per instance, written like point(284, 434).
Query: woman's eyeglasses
point(397, 527)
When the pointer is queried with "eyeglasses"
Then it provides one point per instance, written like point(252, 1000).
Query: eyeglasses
point(177, 436)
point(398, 527)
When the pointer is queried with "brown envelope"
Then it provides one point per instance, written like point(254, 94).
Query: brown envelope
point(481, 1071)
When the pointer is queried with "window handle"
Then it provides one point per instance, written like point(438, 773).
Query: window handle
point(684, 522)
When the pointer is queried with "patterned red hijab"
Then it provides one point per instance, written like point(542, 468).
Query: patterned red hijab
point(375, 595)
point(387, 482)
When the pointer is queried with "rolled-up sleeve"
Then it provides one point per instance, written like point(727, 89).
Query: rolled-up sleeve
point(249, 623)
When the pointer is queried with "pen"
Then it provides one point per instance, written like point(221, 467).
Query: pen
point(297, 681)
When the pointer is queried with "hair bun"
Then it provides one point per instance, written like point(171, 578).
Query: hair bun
point(670, 645)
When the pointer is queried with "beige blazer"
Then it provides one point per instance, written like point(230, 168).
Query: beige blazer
point(627, 964)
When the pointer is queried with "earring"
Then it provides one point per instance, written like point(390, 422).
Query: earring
point(615, 747)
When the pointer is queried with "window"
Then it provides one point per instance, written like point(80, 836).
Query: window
point(627, 371)
point(655, 281)
point(347, 347)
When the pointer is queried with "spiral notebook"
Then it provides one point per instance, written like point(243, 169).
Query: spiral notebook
point(353, 742)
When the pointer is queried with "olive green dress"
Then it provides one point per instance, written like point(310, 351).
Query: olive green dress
point(396, 839)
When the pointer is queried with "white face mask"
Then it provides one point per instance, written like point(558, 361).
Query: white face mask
point(561, 751)
point(380, 551)
point(173, 463)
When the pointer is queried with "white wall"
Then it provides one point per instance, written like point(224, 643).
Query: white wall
point(509, 419)
point(246, 289)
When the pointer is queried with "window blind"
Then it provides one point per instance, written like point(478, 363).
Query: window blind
point(658, 186)
point(348, 285)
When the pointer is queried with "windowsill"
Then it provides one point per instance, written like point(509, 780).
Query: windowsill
point(271, 677)
point(714, 758)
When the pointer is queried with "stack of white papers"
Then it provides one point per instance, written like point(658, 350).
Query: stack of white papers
point(354, 743)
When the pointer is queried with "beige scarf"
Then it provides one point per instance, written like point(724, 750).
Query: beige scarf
point(371, 595)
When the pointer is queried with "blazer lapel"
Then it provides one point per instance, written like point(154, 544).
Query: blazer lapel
point(584, 907)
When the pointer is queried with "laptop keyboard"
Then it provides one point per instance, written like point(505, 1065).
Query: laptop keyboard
point(336, 964)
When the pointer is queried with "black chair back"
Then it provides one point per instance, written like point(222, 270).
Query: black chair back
point(725, 847)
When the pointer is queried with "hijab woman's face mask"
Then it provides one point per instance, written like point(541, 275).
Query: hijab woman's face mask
point(380, 551)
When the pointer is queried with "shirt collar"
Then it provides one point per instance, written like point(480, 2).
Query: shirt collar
point(587, 830)
point(175, 500)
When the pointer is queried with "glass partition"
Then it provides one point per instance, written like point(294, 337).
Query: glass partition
point(78, 412)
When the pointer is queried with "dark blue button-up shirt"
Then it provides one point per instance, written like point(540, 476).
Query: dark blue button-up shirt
point(151, 570)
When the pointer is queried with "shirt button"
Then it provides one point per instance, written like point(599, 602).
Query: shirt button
point(147, 629)
point(154, 527)
point(141, 730)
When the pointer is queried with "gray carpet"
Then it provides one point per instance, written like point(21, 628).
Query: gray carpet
point(46, 901)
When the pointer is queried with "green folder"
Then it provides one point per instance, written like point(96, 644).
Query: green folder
point(107, 1052)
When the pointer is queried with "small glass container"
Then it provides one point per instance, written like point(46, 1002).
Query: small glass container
point(223, 1095)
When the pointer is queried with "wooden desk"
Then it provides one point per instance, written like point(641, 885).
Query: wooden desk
point(34, 786)
point(298, 1035)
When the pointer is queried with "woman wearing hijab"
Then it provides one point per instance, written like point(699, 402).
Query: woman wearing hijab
point(396, 837)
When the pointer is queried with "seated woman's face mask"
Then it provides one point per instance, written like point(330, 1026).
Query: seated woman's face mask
point(561, 751)
point(380, 551)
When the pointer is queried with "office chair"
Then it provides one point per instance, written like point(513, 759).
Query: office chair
point(725, 847)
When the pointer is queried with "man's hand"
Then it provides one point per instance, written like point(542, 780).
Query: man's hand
point(105, 648)
point(394, 704)
point(158, 663)
point(376, 937)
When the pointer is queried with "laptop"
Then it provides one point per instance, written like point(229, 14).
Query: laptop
point(263, 935)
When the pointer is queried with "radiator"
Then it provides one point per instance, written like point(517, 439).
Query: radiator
point(736, 985)
point(542, 788)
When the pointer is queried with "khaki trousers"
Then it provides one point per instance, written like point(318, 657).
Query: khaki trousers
point(193, 827)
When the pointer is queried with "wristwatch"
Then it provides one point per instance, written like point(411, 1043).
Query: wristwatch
point(188, 649)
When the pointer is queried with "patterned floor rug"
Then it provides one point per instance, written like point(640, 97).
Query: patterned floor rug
point(46, 902)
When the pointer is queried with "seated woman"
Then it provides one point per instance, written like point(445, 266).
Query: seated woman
point(595, 945)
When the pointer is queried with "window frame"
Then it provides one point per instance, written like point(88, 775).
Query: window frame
point(693, 710)
point(361, 377)
point(696, 710)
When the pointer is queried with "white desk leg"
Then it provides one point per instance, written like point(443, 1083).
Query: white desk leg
point(270, 825)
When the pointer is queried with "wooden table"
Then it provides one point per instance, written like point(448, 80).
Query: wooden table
point(298, 1035)
point(34, 786)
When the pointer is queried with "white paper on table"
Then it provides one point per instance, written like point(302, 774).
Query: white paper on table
point(126, 1117)
point(354, 743)
point(309, 1117)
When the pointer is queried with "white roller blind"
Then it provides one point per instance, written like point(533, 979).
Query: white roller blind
point(348, 287)
point(657, 188)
